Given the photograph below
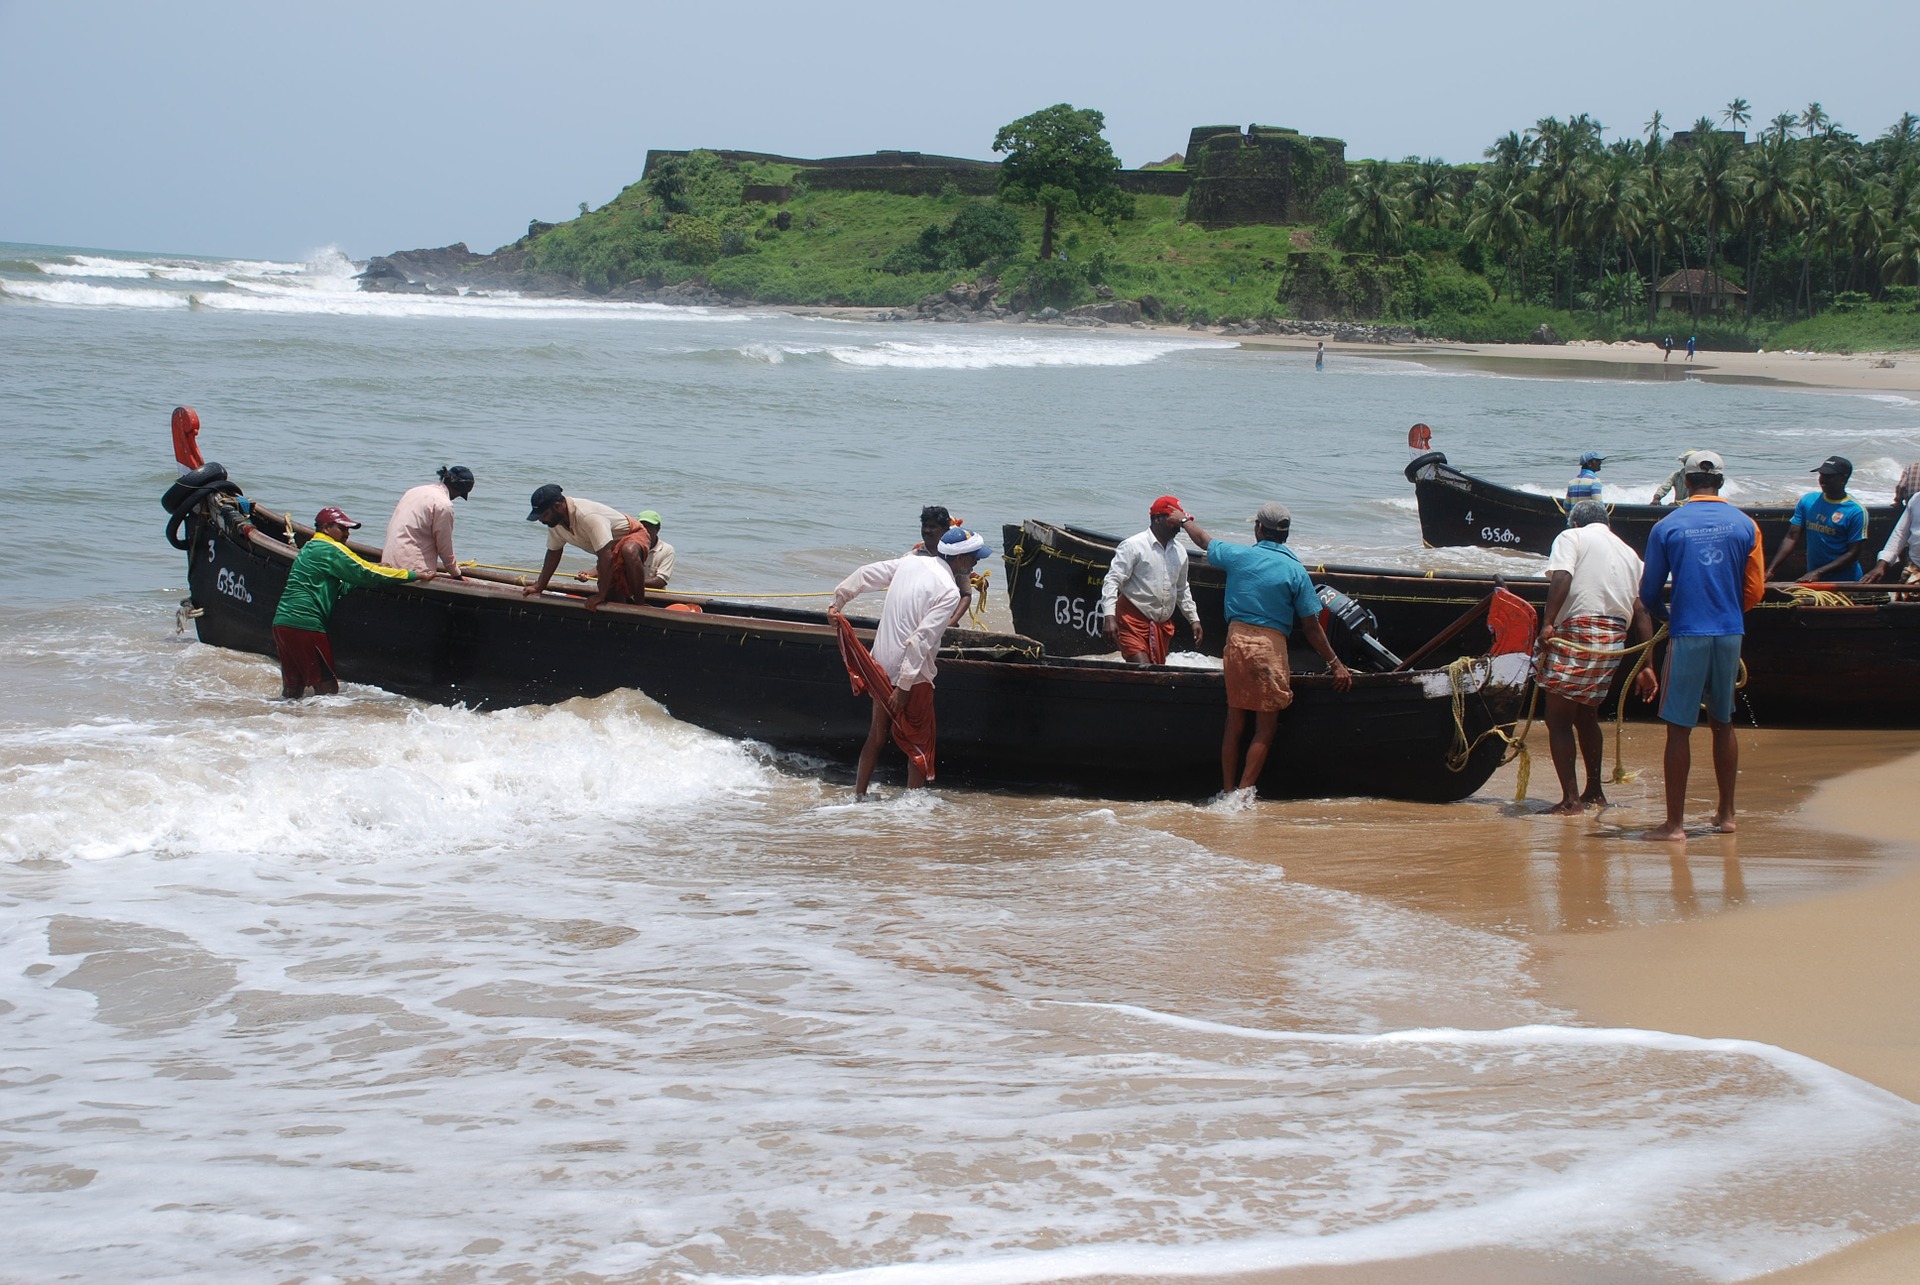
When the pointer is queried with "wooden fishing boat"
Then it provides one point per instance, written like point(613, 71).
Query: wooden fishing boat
point(1459, 509)
point(1851, 663)
point(1008, 714)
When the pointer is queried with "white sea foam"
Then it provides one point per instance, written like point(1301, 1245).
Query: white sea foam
point(1006, 349)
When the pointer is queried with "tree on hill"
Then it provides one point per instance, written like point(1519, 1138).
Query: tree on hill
point(1057, 160)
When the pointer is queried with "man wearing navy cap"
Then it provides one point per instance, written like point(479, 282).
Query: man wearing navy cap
point(1834, 524)
point(1586, 483)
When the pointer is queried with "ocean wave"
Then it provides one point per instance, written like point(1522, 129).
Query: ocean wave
point(1000, 351)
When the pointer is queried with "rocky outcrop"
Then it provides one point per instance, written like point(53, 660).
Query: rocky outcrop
point(437, 271)
point(1544, 335)
point(1114, 312)
point(1344, 332)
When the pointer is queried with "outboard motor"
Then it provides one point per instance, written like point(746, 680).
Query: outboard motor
point(1360, 623)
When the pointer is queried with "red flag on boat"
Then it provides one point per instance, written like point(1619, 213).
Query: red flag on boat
point(866, 676)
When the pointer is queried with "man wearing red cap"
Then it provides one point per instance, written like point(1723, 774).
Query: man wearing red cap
point(1146, 580)
point(325, 571)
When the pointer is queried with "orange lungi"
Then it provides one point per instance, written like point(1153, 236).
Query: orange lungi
point(618, 590)
point(1258, 675)
point(1136, 633)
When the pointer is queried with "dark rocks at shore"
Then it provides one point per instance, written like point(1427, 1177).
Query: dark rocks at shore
point(1345, 332)
point(1545, 335)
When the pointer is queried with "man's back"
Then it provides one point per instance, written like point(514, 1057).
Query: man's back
point(1712, 551)
point(1604, 568)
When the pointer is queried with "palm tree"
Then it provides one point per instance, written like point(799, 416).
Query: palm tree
point(1503, 218)
point(1429, 192)
point(1770, 197)
point(1711, 190)
point(1738, 113)
point(1814, 120)
point(1375, 214)
point(1616, 209)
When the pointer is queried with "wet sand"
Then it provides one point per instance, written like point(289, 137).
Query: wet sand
point(1798, 931)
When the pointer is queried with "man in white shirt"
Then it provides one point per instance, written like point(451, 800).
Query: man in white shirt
point(1146, 581)
point(1899, 545)
point(1593, 596)
point(659, 568)
point(618, 544)
point(923, 599)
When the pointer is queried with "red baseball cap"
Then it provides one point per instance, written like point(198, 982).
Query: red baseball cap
point(1164, 505)
point(331, 516)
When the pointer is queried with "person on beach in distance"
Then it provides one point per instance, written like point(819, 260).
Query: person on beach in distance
point(1145, 582)
point(1320, 355)
point(1693, 342)
point(659, 567)
point(1593, 596)
point(1899, 546)
point(1268, 596)
point(420, 532)
point(618, 543)
point(1586, 483)
point(1675, 485)
point(324, 572)
point(923, 600)
point(1666, 349)
point(1712, 552)
point(1834, 524)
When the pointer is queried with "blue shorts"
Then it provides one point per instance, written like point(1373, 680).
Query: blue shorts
point(1700, 671)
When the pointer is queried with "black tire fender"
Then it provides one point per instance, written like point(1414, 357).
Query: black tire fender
point(182, 494)
point(1419, 462)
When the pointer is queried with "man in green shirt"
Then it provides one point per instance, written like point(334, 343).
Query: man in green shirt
point(325, 571)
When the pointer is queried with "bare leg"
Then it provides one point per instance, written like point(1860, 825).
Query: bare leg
point(1264, 723)
point(1560, 741)
point(1593, 745)
point(1230, 748)
point(1134, 657)
point(1679, 761)
point(1726, 773)
point(633, 567)
point(870, 752)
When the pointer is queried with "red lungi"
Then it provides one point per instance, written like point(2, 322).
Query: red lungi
point(1136, 633)
point(618, 590)
point(1582, 676)
point(306, 660)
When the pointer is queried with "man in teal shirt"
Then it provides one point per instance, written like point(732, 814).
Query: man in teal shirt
point(1268, 594)
point(325, 571)
point(1834, 523)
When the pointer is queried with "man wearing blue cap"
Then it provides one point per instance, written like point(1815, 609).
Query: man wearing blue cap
point(923, 599)
point(1586, 483)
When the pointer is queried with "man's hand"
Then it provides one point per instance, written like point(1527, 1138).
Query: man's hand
point(1875, 574)
point(1198, 633)
point(593, 603)
point(1547, 633)
point(1646, 685)
point(1342, 676)
point(424, 576)
point(1111, 628)
point(898, 701)
point(535, 589)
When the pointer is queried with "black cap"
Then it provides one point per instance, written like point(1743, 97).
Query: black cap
point(459, 480)
point(545, 498)
point(1835, 464)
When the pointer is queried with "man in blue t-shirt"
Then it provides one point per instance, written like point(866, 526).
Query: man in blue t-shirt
point(1835, 527)
point(1712, 552)
point(1586, 483)
point(1268, 594)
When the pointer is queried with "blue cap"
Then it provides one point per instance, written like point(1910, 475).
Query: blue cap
point(1591, 457)
point(958, 544)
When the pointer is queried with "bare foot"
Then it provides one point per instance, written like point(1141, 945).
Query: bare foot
point(1594, 798)
point(1566, 808)
point(1668, 834)
point(1725, 825)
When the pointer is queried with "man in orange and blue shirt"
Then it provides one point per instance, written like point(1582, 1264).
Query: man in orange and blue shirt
point(325, 571)
point(1711, 550)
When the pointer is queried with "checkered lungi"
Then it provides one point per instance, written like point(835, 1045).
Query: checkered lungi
point(1582, 676)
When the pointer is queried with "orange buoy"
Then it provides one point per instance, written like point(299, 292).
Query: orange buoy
point(684, 606)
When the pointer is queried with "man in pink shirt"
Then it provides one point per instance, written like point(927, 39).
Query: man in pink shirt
point(420, 532)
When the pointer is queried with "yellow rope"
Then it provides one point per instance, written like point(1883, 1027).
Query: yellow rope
point(1808, 596)
point(1514, 734)
point(678, 593)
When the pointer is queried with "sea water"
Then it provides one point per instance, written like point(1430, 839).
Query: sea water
point(362, 988)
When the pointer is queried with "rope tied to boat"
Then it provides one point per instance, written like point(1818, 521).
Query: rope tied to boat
point(1514, 734)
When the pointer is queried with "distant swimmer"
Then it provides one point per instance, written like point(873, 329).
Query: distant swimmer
point(618, 544)
point(1320, 355)
point(1586, 483)
point(1145, 584)
point(323, 573)
point(1712, 552)
point(420, 532)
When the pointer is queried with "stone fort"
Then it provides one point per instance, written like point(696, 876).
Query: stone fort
point(1267, 174)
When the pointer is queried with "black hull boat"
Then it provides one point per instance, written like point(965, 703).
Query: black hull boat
point(1852, 665)
point(1008, 714)
point(1459, 509)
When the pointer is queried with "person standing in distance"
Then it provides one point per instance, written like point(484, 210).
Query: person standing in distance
point(1268, 596)
point(1711, 551)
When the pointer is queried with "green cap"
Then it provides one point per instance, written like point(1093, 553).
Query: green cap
point(648, 516)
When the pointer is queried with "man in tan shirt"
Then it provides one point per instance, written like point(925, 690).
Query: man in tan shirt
point(618, 543)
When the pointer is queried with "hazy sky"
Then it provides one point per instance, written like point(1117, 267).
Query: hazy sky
point(273, 129)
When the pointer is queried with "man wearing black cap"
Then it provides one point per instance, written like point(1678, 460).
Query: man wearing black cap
point(1835, 527)
point(618, 544)
point(325, 571)
point(420, 532)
